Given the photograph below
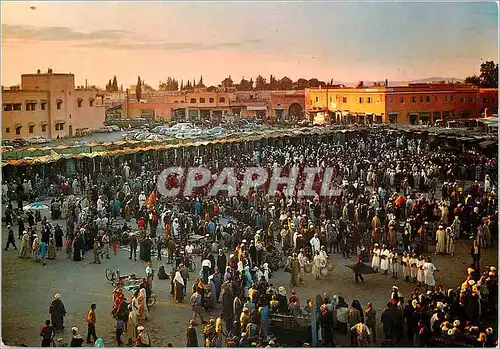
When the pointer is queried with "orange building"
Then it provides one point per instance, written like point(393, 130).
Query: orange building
point(217, 105)
point(49, 105)
point(400, 104)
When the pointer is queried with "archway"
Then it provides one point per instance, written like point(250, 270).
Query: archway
point(295, 112)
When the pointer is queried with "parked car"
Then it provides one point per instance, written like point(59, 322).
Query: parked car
point(20, 142)
point(38, 140)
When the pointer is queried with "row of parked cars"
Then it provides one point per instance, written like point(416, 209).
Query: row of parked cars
point(186, 130)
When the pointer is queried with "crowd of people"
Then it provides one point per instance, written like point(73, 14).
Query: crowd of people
point(387, 211)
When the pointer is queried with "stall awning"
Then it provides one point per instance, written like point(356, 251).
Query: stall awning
point(412, 114)
point(19, 125)
point(31, 124)
point(393, 114)
point(368, 114)
point(256, 107)
point(487, 143)
point(60, 121)
point(44, 123)
point(279, 108)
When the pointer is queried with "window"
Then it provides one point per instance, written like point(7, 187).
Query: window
point(43, 105)
point(30, 106)
point(462, 99)
point(402, 100)
point(59, 104)
point(222, 100)
point(485, 100)
point(414, 99)
point(202, 100)
point(91, 102)
point(421, 99)
point(391, 100)
point(32, 129)
point(361, 100)
point(17, 107)
point(210, 100)
point(7, 107)
point(59, 127)
point(472, 99)
point(7, 130)
point(192, 100)
point(344, 99)
point(44, 128)
point(446, 99)
point(369, 100)
point(79, 101)
point(452, 99)
point(317, 99)
point(494, 99)
point(428, 99)
point(18, 130)
point(331, 99)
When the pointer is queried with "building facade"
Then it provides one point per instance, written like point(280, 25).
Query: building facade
point(49, 105)
point(217, 105)
point(410, 104)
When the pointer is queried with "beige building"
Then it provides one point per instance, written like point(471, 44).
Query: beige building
point(216, 105)
point(49, 105)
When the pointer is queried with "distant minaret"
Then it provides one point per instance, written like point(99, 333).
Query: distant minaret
point(85, 83)
point(386, 83)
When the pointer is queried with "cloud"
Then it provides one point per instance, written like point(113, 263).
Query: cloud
point(175, 46)
point(115, 39)
point(26, 32)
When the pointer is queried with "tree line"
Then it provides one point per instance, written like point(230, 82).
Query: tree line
point(112, 85)
point(260, 83)
point(488, 76)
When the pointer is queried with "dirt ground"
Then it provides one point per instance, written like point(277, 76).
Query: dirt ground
point(28, 287)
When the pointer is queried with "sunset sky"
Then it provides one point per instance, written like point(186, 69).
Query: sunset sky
point(344, 41)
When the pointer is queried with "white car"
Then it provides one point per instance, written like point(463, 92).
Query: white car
point(38, 140)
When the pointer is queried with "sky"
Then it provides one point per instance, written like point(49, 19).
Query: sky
point(344, 41)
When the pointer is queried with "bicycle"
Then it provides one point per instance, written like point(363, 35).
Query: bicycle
point(190, 264)
point(114, 277)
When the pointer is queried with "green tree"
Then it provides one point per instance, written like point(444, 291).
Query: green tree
point(273, 83)
point(313, 82)
point(474, 80)
point(489, 74)
point(115, 84)
point(260, 83)
point(138, 89)
point(302, 84)
point(201, 84)
point(227, 82)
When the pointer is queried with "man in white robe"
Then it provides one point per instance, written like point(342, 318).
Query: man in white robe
point(315, 244)
point(440, 240)
point(376, 258)
point(384, 259)
point(429, 270)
